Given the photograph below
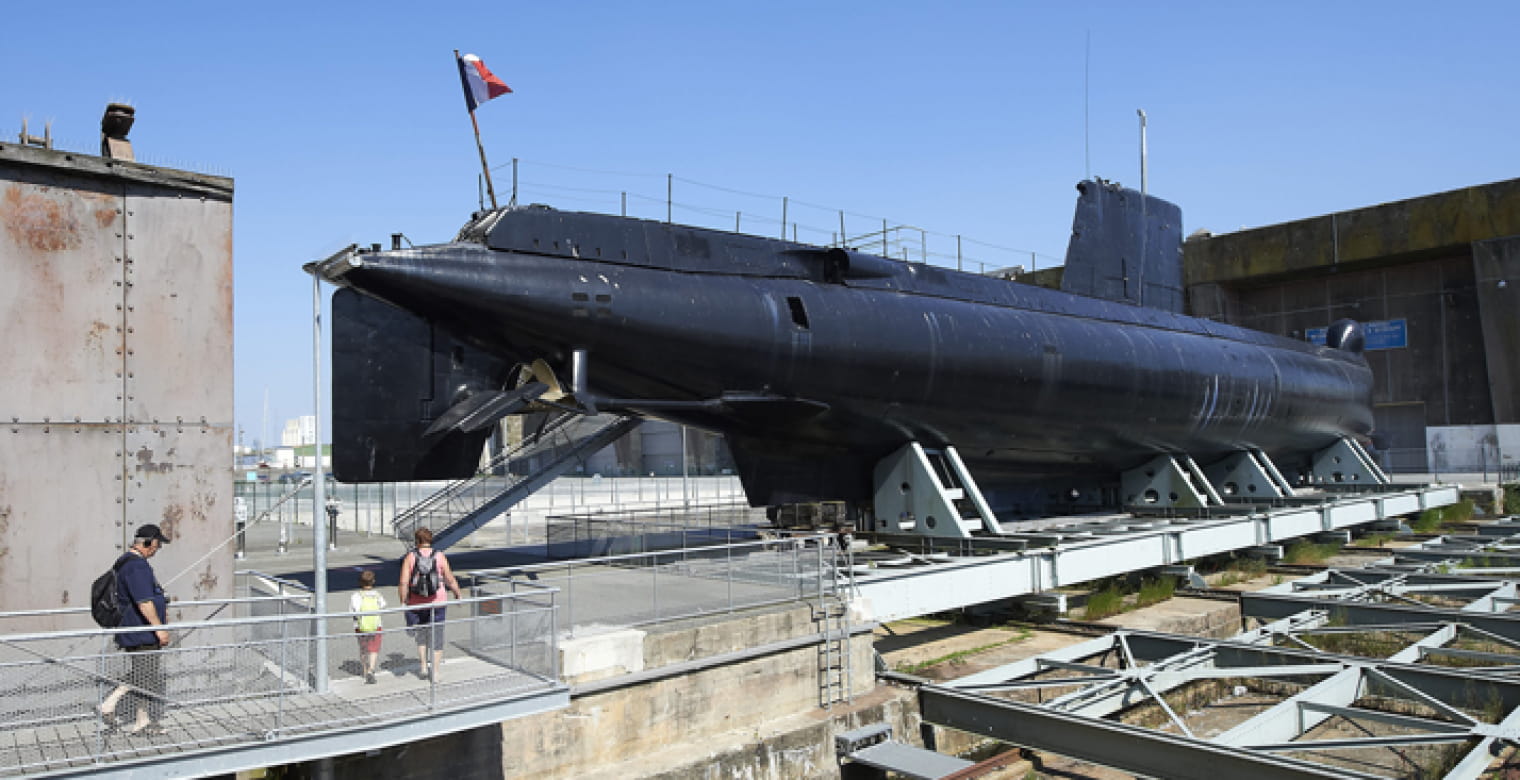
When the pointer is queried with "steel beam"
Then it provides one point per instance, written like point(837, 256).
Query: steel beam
point(1121, 746)
point(1139, 545)
point(1273, 606)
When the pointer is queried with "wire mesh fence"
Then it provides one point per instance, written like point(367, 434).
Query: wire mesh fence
point(1489, 463)
point(647, 530)
point(250, 674)
point(643, 588)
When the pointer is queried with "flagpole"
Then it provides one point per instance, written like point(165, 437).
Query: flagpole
point(490, 190)
point(484, 167)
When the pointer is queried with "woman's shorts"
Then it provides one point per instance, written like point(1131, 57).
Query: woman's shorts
point(426, 626)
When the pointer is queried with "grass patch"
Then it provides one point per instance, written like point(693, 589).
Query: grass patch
point(1112, 597)
point(1020, 635)
point(1107, 602)
point(1305, 552)
point(1512, 498)
point(1373, 540)
point(1241, 569)
point(1251, 568)
point(1431, 520)
point(1155, 591)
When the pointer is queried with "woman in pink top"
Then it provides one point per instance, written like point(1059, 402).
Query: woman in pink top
point(426, 625)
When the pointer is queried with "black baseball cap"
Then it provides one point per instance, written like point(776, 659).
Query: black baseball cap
point(151, 532)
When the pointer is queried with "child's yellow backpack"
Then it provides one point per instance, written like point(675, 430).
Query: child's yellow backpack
point(369, 611)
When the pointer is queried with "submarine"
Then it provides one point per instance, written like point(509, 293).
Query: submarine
point(817, 363)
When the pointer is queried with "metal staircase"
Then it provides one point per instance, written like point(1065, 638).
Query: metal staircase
point(462, 507)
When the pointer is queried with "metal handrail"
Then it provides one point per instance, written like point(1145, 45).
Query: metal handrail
point(798, 541)
point(498, 460)
point(468, 490)
point(263, 620)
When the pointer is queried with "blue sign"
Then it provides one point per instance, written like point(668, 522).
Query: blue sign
point(1380, 334)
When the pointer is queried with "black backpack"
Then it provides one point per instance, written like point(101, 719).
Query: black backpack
point(103, 605)
point(424, 575)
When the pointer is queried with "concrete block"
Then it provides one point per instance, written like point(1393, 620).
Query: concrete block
point(599, 656)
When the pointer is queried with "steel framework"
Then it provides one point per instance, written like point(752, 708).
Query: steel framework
point(1405, 668)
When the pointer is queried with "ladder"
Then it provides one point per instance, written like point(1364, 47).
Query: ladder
point(832, 614)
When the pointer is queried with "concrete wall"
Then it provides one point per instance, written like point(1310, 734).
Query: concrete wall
point(1446, 263)
point(1444, 366)
point(1496, 270)
point(116, 338)
point(756, 717)
point(1420, 226)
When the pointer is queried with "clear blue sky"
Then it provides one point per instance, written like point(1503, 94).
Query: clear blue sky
point(344, 122)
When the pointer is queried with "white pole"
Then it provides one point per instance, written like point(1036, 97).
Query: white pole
point(319, 490)
point(685, 487)
point(1144, 163)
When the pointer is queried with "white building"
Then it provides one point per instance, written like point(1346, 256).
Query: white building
point(299, 431)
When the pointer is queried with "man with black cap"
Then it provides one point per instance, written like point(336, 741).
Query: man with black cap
point(142, 603)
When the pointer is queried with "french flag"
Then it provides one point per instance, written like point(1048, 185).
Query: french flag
point(480, 84)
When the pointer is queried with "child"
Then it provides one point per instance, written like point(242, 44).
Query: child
point(366, 604)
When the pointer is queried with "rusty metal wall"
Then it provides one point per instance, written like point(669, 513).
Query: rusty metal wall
point(116, 393)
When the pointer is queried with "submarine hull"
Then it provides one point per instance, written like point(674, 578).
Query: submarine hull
point(814, 373)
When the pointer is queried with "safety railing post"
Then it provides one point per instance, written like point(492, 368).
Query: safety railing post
point(820, 570)
point(797, 568)
point(512, 628)
point(554, 634)
point(279, 715)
